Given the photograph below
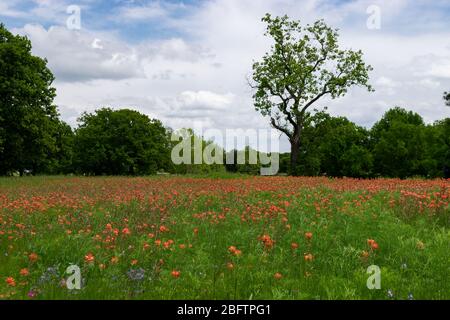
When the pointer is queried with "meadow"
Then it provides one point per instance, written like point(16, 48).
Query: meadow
point(224, 237)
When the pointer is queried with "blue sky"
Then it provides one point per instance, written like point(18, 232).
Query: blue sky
point(102, 14)
point(419, 17)
point(187, 61)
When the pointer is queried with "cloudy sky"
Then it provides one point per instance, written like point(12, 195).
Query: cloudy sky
point(186, 61)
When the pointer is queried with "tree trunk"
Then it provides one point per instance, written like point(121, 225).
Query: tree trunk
point(295, 153)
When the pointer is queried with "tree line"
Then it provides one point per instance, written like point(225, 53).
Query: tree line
point(33, 138)
point(400, 145)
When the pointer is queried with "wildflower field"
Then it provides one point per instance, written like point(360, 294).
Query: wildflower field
point(224, 238)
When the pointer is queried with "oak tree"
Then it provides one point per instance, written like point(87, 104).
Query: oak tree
point(304, 65)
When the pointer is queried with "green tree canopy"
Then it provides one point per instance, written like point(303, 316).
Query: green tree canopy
point(28, 119)
point(399, 144)
point(122, 142)
point(63, 156)
point(438, 143)
point(334, 146)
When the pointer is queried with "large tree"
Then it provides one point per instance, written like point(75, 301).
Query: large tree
point(120, 142)
point(28, 118)
point(304, 65)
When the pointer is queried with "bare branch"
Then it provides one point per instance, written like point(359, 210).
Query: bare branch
point(281, 128)
point(310, 103)
point(284, 104)
point(250, 84)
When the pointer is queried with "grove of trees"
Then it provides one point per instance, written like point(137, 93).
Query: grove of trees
point(400, 145)
point(34, 139)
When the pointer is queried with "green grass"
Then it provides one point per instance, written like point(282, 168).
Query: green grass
point(413, 249)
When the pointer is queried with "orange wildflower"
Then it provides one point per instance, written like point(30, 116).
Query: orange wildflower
point(309, 257)
point(175, 273)
point(11, 282)
point(278, 276)
point(267, 241)
point(308, 235)
point(33, 257)
point(372, 244)
point(114, 260)
point(89, 258)
point(235, 251)
point(24, 272)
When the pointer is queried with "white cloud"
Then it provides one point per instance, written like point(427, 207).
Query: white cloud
point(386, 82)
point(72, 55)
point(174, 49)
point(149, 11)
point(440, 68)
point(206, 99)
point(430, 83)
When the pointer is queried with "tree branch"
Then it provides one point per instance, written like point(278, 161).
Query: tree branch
point(279, 127)
point(324, 92)
point(285, 102)
point(320, 95)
